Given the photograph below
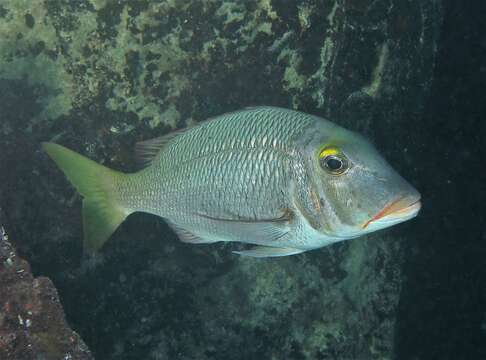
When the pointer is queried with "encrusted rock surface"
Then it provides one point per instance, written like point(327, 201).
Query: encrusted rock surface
point(99, 75)
point(32, 322)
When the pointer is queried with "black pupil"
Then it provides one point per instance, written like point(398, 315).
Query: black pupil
point(334, 164)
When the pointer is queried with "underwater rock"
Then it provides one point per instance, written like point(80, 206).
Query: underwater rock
point(32, 322)
point(98, 75)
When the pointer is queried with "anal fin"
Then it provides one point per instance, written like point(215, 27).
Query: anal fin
point(268, 251)
point(188, 237)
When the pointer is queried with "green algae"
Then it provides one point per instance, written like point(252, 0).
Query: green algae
point(374, 88)
point(77, 64)
point(326, 56)
point(305, 12)
point(19, 60)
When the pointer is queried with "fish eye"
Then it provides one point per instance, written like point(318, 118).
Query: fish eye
point(333, 161)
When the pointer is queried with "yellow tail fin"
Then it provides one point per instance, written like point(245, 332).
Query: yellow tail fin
point(102, 214)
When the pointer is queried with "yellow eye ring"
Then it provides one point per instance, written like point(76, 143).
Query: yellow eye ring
point(333, 161)
point(328, 151)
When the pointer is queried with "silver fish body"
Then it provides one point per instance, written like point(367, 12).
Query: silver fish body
point(233, 178)
point(280, 179)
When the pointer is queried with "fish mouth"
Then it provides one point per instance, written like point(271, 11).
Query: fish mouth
point(399, 210)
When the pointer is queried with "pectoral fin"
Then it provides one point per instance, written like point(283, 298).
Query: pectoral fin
point(268, 251)
point(265, 231)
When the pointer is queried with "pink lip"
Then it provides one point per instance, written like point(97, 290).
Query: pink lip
point(400, 207)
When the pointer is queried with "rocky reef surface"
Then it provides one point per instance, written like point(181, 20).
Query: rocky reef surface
point(99, 75)
point(32, 323)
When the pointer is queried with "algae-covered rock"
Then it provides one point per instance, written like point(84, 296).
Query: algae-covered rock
point(99, 75)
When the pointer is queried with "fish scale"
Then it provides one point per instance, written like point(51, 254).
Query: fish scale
point(210, 168)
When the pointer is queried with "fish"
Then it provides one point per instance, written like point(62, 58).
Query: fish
point(282, 181)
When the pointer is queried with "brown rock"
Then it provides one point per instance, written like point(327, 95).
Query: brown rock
point(32, 322)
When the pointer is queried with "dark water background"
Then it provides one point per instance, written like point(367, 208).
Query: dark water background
point(442, 310)
point(420, 289)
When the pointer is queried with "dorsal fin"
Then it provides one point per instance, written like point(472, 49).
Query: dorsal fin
point(147, 150)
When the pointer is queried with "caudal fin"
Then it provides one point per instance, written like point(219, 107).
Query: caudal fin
point(102, 214)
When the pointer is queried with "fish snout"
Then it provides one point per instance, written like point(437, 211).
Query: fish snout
point(399, 210)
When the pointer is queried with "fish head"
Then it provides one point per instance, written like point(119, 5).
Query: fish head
point(359, 192)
